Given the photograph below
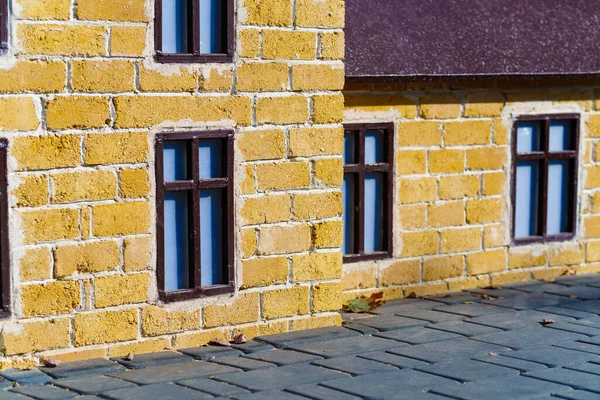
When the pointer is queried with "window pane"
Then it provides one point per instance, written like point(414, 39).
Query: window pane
point(527, 199)
point(560, 136)
point(177, 260)
point(174, 26)
point(175, 160)
point(528, 137)
point(350, 147)
point(374, 192)
point(557, 221)
point(374, 147)
point(211, 26)
point(212, 237)
point(211, 158)
point(348, 193)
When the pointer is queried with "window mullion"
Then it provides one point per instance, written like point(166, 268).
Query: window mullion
point(195, 34)
point(195, 216)
point(544, 189)
point(360, 201)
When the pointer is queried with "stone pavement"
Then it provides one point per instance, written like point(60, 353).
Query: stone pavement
point(481, 344)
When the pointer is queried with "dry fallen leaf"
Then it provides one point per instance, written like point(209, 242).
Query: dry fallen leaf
point(16, 384)
point(468, 302)
point(493, 287)
point(572, 297)
point(491, 353)
point(23, 368)
point(442, 296)
point(51, 362)
point(219, 342)
point(128, 357)
point(412, 295)
point(239, 339)
point(569, 272)
point(365, 304)
point(547, 321)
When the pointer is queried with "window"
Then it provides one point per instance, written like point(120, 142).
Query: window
point(188, 31)
point(194, 185)
point(4, 249)
point(544, 172)
point(367, 191)
point(3, 26)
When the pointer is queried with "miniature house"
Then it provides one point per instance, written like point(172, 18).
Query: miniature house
point(174, 171)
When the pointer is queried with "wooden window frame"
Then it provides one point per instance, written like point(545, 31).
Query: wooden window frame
point(194, 22)
point(5, 310)
point(360, 169)
point(546, 156)
point(195, 185)
point(4, 26)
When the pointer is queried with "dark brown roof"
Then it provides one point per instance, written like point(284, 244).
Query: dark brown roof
point(428, 39)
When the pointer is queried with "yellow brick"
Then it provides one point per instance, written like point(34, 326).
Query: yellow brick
point(88, 257)
point(459, 186)
point(593, 126)
point(68, 112)
point(245, 308)
point(327, 234)
point(485, 210)
point(127, 41)
point(332, 45)
point(413, 216)
point(419, 133)
point(264, 271)
point(493, 236)
point(216, 80)
point(32, 191)
point(35, 336)
point(35, 264)
point(493, 183)
point(102, 76)
point(262, 77)
point(526, 257)
point(320, 13)
point(427, 289)
point(592, 177)
point(86, 223)
point(467, 132)
point(49, 225)
point(248, 42)
point(134, 183)
point(158, 321)
point(328, 108)
point(34, 76)
point(282, 110)
point(147, 346)
point(287, 175)
point(74, 355)
point(136, 253)
point(196, 339)
point(45, 152)
point(596, 203)
point(358, 278)
point(115, 148)
point(292, 45)
point(469, 283)
point(116, 290)
point(370, 103)
point(314, 322)
point(317, 266)
point(112, 10)
point(566, 254)
point(50, 9)
point(510, 277)
point(268, 12)
point(247, 184)
point(266, 209)
point(50, 298)
point(248, 242)
point(401, 273)
point(411, 162)
point(181, 80)
point(317, 77)
point(455, 240)
point(418, 190)
point(105, 327)
point(317, 205)
point(500, 132)
point(18, 114)
point(592, 251)
point(83, 185)
point(419, 243)
point(326, 297)
point(438, 268)
point(486, 262)
point(329, 171)
point(446, 161)
point(446, 214)
point(439, 106)
point(284, 239)
point(484, 104)
point(306, 142)
point(121, 218)
point(285, 302)
point(486, 158)
point(262, 145)
point(548, 273)
point(61, 40)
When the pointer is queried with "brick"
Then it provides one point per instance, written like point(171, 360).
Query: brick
point(45, 152)
point(61, 40)
point(83, 185)
point(411, 162)
point(268, 12)
point(420, 243)
point(50, 225)
point(317, 205)
point(592, 251)
point(105, 327)
point(52, 9)
point(493, 236)
point(50, 298)
point(401, 273)
point(327, 297)
point(181, 80)
point(327, 234)
point(455, 240)
point(314, 322)
point(86, 227)
point(243, 309)
point(133, 183)
point(566, 254)
point(485, 210)
point(262, 145)
point(446, 214)
point(249, 42)
point(439, 106)
point(426, 290)
point(593, 126)
point(459, 186)
point(266, 209)
point(358, 278)
point(158, 321)
point(284, 239)
point(115, 148)
point(69, 112)
point(419, 133)
point(35, 336)
point(592, 177)
point(264, 271)
point(137, 252)
point(102, 76)
point(329, 171)
point(526, 257)
point(486, 158)
point(493, 183)
point(317, 77)
point(216, 80)
point(332, 45)
point(397, 104)
point(249, 177)
point(320, 14)
point(287, 175)
point(317, 266)
point(18, 114)
point(286, 302)
point(328, 108)
point(32, 191)
point(290, 45)
point(147, 346)
point(446, 161)
point(34, 76)
point(510, 277)
point(282, 110)
point(121, 218)
point(500, 132)
point(484, 104)
point(248, 242)
point(127, 41)
point(438, 268)
point(413, 216)
point(35, 264)
point(263, 77)
point(307, 142)
point(116, 290)
point(196, 339)
point(86, 258)
point(112, 10)
point(486, 262)
point(596, 203)
point(418, 190)
point(467, 132)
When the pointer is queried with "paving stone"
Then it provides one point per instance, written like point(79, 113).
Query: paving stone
point(154, 360)
point(581, 292)
point(592, 340)
point(95, 366)
point(567, 312)
point(496, 293)
point(553, 356)
point(390, 322)
point(5, 384)
point(26, 377)
point(354, 365)
point(271, 395)
point(92, 384)
point(578, 395)
point(455, 298)
point(211, 386)
point(347, 346)
point(465, 370)
point(515, 363)
point(589, 306)
point(320, 393)
point(284, 357)
point(448, 350)
point(175, 372)
point(585, 347)
point(283, 340)
point(247, 364)
point(363, 329)
point(12, 396)
point(593, 322)
point(393, 307)
point(464, 328)
point(590, 368)
point(44, 392)
point(418, 335)
point(430, 315)
point(471, 310)
point(576, 328)
point(574, 379)
point(531, 301)
point(575, 280)
point(518, 319)
point(532, 287)
point(288, 376)
point(163, 391)
point(211, 352)
point(351, 316)
point(252, 346)
point(528, 338)
point(393, 359)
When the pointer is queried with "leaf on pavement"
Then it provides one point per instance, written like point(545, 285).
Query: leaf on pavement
point(547, 321)
point(219, 342)
point(51, 362)
point(365, 304)
point(240, 339)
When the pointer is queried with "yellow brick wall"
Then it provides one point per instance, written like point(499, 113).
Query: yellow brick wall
point(81, 99)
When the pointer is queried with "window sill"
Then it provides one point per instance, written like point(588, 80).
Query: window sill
point(562, 237)
point(353, 258)
point(193, 58)
point(196, 293)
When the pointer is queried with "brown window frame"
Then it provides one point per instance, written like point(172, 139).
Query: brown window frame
point(361, 169)
point(546, 156)
point(5, 311)
point(194, 22)
point(3, 26)
point(195, 185)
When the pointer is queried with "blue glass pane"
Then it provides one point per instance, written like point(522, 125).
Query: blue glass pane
point(350, 147)
point(374, 147)
point(348, 213)
point(528, 137)
point(560, 136)
point(558, 197)
point(175, 160)
point(211, 26)
point(527, 195)
point(211, 158)
point(374, 183)
point(177, 261)
point(212, 237)
point(174, 26)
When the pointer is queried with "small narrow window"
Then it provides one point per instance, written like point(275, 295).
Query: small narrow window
point(4, 252)
point(194, 178)
point(545, 177)
point(367, 191)
point(194, 30)
point(3, 26)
